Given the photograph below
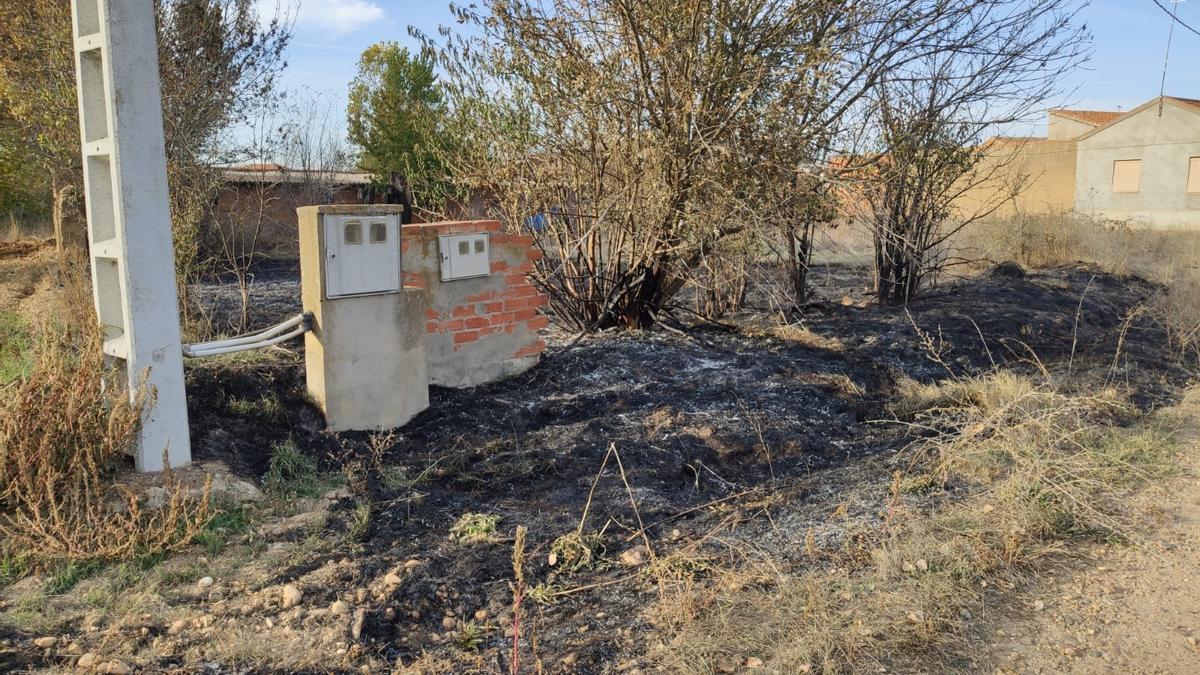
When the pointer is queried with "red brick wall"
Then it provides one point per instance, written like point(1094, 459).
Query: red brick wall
point(483, 328)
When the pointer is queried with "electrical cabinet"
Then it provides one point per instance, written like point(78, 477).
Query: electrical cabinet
point(362, 254)
point(465, 256)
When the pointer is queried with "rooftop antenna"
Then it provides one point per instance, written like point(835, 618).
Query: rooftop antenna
point(1162, 87)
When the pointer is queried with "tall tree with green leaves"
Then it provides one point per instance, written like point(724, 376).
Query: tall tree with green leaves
point(396, 116)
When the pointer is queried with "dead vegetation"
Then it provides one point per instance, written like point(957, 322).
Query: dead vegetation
point(1010, 472)
point(65, 430)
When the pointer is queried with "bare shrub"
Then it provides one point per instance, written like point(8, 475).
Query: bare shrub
point(65, 431)
point(1033, 468)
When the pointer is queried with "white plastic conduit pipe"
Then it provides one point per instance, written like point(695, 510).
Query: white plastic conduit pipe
point(293, 327)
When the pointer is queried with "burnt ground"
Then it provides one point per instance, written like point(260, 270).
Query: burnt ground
point(703, 416)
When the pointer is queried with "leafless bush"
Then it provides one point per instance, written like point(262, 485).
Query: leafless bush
point(65, 431)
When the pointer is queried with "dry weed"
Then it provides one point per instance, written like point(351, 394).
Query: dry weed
point(1030, 469)
point(65, 430)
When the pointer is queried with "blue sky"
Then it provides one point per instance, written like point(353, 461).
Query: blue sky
point(1130, 39)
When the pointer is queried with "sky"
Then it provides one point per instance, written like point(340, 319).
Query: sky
point(1130, 41)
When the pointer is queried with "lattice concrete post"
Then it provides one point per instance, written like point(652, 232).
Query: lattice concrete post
point(129, 218)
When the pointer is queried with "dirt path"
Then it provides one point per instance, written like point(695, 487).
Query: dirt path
point(1133, 609)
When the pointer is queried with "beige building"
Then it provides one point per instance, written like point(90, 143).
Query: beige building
point(1144, 166)
point(1141, 166)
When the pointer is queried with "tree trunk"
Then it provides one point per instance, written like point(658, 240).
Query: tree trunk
point(58, 194)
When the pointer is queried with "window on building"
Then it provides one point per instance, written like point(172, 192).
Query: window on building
point(1194, 175)
point(1127, 175)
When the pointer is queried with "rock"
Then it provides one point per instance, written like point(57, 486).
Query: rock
point(360, 618)
point(922, 565)
point(482, 615)
point(177, 627)
point(1008, 270)
point(1039, 605)
point(633, 557)
point(318, 612)
point(86, 661)
point(338, 494)
point(392, 579)
point(206, 582)
point(917, 616)
point(339, 607)
point(117, 668)
point(412, 563)
point(46, 642)
point(552, 559)
point(754, 662)
point(908, 567)
point(570, 659)
point(291, 596)
point(449, 623)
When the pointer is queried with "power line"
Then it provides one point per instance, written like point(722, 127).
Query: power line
point(1174, 18)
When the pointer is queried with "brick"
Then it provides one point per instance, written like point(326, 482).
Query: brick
point(499, 266)
point(493, 307)
point(431, 326)
point(535, 348)
point(432, 313)
point(536, 254)
point(526, 314)
point(524, 268)
point(538, 322)
point(481, 297)
point(466, 336)
point(451, 326)
point(503, 318)
point(477, 322)
point(515, 280)
point(463, 311)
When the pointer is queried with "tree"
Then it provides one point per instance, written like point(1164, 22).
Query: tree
point(396, 117)
point(37, 93)
point(998, 65)
point(218, 62)
point(638, 137)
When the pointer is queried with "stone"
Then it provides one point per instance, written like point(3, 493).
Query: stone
point(339, 607)
point(482, 615)
point(177, 627)
point(754, 662)
point(291, 596)
point(46, 642)
point(117, 668)
point(206, 582)
point(412, 563)
point(449, 623)
point(392, 579)
point(633, 557)
point(922, 565)
point(360, 618)
point(86, 661)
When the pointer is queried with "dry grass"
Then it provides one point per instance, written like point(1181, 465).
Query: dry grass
point(1009, 471)
point(65, 430)
point(805, 337)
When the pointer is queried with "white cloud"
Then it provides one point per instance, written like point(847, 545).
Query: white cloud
point(339, 16)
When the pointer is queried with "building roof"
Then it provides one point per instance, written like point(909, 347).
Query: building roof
point(275, 173)
point(1195, 103)
point(1185, 103)
point(1092, 117)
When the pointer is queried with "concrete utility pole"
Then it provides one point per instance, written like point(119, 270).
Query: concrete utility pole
point(128, 213)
